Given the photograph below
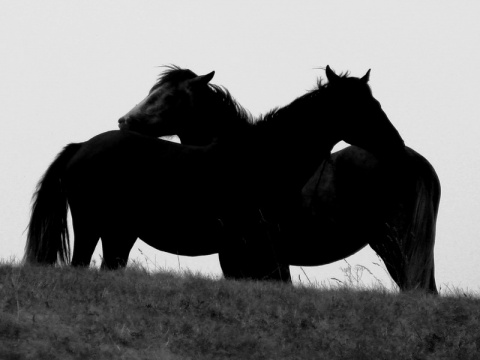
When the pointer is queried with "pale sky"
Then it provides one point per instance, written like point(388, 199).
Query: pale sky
point(69, 70)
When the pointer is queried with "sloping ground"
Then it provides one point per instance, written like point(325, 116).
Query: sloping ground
point(65, 313)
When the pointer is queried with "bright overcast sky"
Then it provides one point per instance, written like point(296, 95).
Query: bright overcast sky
point(69, 70)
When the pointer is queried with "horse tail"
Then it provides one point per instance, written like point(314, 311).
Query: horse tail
point(48, 239)
point(419, 240)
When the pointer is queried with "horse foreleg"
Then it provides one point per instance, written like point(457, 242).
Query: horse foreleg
point(232, 263)
point(253, 258)
point(240, 265)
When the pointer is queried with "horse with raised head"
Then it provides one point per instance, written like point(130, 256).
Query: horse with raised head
point(379, 194)
point(122, 185)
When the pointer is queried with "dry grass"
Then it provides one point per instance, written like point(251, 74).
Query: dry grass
point(65, 313)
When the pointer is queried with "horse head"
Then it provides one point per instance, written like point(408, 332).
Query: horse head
point(171, 106)
point(359, 117)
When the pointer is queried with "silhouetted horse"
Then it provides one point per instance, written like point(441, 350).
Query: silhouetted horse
point(121, 186)
point(382, 197)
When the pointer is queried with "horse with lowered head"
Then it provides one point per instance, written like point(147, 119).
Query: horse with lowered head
point(378, 193)
point(122, 185)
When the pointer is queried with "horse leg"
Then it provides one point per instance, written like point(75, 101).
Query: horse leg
point(116, 249)
point(232, 263)
point(415, 237)
point(240, 264)
point(274, 271)
point(393, 263)
point(410, 264)
point(265, 263)
point(85, 240)
point(432, 285)
point(254, 257)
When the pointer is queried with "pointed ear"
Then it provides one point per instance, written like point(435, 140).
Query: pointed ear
point(331, 76)
point(202, 79)
point(366, 77)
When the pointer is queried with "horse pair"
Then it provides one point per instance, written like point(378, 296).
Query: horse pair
point(204, 196)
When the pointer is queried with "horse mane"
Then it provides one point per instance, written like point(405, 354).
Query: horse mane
point(232, 117)
point(279, 110)
point(230, 104)
point(221, 95)
point(320, 85)
point(231, 107)
point(173, 73)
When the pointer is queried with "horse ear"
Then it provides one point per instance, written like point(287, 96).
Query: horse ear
point(202, 79)
point(366, 77)
point(331, 76)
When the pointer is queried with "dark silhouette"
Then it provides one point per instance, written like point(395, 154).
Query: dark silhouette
point(121, 185)
point(384, 197)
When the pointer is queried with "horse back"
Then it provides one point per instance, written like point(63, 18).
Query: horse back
point(120, 169)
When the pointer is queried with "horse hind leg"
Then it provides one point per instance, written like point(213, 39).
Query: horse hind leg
point(387, 246)
point(85, 241)
point(420, 271)
point(432, 285)
point(419, 239)
point(116, 249)
point(408, 260)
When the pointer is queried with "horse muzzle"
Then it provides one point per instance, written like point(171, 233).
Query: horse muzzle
point(123, 123)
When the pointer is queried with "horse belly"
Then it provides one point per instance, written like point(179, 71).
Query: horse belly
point(318, 240)
point(184, 235)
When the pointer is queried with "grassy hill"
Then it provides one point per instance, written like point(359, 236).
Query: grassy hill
point(65, 313)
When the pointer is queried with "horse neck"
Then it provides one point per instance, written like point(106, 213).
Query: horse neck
point(222, 119)
point(295, 139)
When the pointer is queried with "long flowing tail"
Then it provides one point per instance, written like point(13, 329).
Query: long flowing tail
point(419, 238)
point(48, 239)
